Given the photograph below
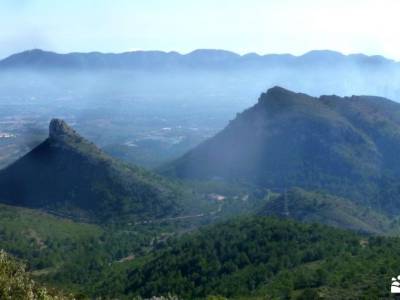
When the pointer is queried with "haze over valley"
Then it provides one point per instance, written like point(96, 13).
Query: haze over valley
point(151, 107)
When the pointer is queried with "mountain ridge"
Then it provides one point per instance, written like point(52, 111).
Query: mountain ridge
point(199, 58)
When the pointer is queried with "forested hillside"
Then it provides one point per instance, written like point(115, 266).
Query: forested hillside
point(264, 258)
point(323, 208)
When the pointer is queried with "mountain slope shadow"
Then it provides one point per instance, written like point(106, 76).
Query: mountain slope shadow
point(69, 175)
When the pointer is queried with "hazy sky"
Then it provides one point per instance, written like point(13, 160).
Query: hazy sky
point(262, 26)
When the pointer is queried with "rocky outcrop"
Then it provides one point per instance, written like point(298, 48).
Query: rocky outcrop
point(59, 128)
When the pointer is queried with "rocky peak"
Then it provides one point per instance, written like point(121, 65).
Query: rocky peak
point(275, 94)
point(59, 128)
point(280, 98)
point(280, 93)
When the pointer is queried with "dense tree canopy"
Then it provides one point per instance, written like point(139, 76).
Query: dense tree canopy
point(264, 256)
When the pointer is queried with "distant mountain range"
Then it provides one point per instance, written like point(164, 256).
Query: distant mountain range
point(346, 146)
point(202, 76)
point(198, 59)
point(70, 176)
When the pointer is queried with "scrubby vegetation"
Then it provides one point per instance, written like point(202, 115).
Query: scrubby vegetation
point(16, 283)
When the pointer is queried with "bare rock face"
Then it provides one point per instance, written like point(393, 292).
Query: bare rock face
point(60, 129)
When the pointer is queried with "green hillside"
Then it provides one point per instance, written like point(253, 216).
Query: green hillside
point(264, 258)
point(44, 240)
point(243, 258)
point(331, 210)
point(69, 255)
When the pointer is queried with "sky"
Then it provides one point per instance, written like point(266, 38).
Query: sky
point(262, 26)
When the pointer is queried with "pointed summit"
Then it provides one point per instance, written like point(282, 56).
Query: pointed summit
point(59, 128)
point(280, 93)
point(280, 99)
point(278, 90)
